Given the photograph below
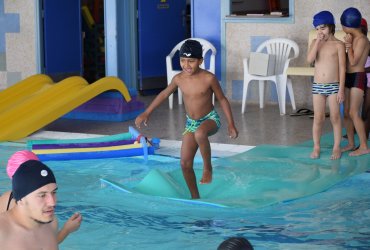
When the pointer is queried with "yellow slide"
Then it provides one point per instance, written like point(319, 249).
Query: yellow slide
point(36, 101)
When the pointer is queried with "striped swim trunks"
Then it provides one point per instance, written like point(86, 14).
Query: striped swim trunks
point(325, 89)
point(192, 125)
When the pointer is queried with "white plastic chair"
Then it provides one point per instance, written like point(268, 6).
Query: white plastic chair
point(171, 72)
point(281, 48)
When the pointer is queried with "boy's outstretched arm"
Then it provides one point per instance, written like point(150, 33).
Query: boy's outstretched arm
point(225, 105)
point(163, 95)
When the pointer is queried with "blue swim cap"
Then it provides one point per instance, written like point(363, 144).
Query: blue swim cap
point(351, 18)
point(323, 17)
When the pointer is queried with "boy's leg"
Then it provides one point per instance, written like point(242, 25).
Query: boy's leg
point(318, 121)
point(366, 112)
point(334, 108)
point(188, 149)
point(354, 112)
point(206, 129)
point(348, 123)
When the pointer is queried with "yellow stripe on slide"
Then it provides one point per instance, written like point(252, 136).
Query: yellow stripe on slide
point(78, 150)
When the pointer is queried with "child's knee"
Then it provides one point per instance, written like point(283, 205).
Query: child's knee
point(353, 114)
point(200, 134)
point(319, 119)
point(335, 118)
point(186, 164)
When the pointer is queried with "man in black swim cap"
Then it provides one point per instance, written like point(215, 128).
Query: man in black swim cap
point(26, 225)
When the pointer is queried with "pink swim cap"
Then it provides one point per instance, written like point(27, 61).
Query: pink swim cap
point(17, 159)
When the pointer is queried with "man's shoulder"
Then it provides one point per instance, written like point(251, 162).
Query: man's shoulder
point(4, 222)
point(4, 200)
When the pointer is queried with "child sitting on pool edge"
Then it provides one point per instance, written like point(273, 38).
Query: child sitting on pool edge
point(197, 86)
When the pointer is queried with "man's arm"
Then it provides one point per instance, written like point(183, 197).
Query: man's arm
point(71, 225)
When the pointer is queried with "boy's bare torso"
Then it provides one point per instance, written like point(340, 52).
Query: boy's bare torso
point(197, 92)
point(362, 43)
point(327, 62)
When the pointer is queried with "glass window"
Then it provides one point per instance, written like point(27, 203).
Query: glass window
point(263, 8)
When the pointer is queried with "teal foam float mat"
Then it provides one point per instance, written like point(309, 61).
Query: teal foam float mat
point(327, 141)
point(161, 184)
point(262, 176)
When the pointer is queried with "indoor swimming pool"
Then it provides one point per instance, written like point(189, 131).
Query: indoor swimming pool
point(272, 196)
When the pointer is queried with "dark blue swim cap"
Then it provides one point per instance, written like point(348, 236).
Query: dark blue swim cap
point(351, 18)
point(235, 243)
point(30, 176)
point(191, 49)
point(323, 17)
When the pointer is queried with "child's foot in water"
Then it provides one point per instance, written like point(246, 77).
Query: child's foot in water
point(315, 153)
point(360, 151)
point(336, 154)
point(207, 176)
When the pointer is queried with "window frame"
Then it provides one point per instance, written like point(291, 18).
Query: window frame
point(228, 18)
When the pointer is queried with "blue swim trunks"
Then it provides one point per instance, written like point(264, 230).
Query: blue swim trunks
point(325, 89)
point(192, 125)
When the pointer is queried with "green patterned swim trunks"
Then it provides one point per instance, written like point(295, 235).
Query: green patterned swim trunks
point(192, 125)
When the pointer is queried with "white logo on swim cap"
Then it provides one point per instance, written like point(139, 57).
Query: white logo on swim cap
point(186, 54)
point(44, 173)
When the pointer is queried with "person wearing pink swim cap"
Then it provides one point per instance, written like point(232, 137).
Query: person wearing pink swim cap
point(7, 199)
point(357, 48)
point(17, 159)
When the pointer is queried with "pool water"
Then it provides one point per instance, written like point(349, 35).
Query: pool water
point(330, 211)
